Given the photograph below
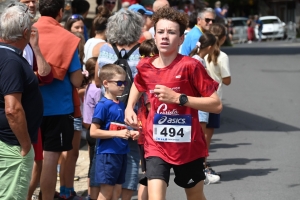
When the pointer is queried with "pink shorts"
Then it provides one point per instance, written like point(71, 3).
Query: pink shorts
point(38, 147)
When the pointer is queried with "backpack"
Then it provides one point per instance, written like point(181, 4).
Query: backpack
point(122, 62)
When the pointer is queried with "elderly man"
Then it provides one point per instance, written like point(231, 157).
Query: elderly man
point(205, 18)
point(21, 106)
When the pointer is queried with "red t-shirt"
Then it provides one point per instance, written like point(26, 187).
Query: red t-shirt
point(184, 75)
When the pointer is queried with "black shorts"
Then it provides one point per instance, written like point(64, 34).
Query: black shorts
point(186, 175)
point(57, 132)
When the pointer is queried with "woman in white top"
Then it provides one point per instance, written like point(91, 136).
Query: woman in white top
point(99, 25)
point(217, 65)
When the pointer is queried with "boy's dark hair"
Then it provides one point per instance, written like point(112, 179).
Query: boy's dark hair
point(193, 19)
point(108, 71)
point(173, 15)
point(80, 6)
point(51, 8)
point(207, 39)
point(148, 48)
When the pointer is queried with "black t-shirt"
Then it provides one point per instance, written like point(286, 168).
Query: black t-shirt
point(16, 76)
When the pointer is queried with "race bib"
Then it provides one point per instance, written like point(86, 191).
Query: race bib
point(172, 128)
point(114, 126)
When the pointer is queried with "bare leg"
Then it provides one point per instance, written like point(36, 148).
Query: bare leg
point(196, 192)
point(127, 194)
point(94, 192)
point(106, 192)
point(69, 162)
point(35, 177)
point(143, 192)
point(117, 192)
point(208, 135)
point(48, 176)
point(157, 189)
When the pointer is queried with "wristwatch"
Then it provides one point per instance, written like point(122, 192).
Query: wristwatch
point(183, 99)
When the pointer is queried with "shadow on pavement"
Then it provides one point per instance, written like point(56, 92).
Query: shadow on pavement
point(226, 146)
point(238, 174)
point(233, 120)
point(236, 161)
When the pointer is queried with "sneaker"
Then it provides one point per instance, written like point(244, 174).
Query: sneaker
point(211, 178)
point(56, 195)
point(209, 170)
point(76, 178)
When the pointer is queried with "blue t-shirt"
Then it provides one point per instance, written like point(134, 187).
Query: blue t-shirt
point(190, 41)
point(57, 96)
point(110, 116)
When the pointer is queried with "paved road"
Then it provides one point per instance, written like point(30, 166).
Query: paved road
point(257, 147)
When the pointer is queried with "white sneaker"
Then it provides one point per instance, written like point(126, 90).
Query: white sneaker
point(211, 178)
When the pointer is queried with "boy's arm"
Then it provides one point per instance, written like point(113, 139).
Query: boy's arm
point(96, 132)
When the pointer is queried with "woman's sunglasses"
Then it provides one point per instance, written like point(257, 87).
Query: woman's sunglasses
point(119, 83)
point(76, 16)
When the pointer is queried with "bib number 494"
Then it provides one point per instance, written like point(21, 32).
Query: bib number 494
point(172, 132)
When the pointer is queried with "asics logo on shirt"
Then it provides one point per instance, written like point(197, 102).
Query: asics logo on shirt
point(178, 76)
point(164, 119)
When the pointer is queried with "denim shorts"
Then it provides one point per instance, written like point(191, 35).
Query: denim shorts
point(77, 124)
point(133, 161)
point(203, 116)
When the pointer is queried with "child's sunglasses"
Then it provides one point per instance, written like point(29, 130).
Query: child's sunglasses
point(119, 83)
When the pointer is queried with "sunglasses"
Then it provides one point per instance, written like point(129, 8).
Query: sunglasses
point(119, 83)
point(76, 16)
point(207, 20)
point(110, 2)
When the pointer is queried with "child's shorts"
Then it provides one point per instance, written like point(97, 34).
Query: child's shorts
point(203, 116)
point(110, 168)
point(213, 121)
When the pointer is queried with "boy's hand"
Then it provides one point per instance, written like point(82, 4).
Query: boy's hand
point(124, 134)
point(134, 134)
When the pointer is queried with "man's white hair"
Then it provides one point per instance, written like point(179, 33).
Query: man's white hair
point(14, 20)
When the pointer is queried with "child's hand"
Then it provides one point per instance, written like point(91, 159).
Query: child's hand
point(124, 134)
point(134, 134)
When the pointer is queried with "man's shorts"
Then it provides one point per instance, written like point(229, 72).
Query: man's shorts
point(110, 168)
point(38, 148)
point(15, 171)
point(213, 121)
point(186, 175)
point(77, 124)
point(57, 132)
point(133, 164)
point(203, 116)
